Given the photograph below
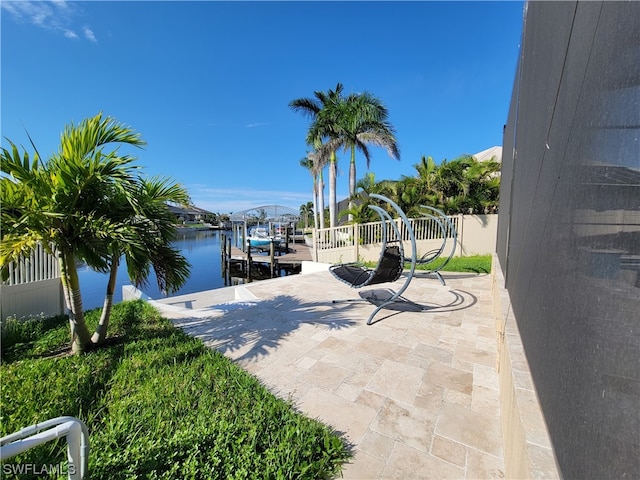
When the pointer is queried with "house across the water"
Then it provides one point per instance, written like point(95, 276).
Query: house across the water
point(192, 214)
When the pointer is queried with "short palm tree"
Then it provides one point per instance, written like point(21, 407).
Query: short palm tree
point(425, 186)
point(462, 185)
point(358, 210)
point(306, 209)
point(484, 185)
point(407, 193)
point(146, 218)
point(59, 204)
point(79, 205)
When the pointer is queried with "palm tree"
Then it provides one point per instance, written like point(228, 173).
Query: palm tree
point(484, 185)
point(320, 160)
point(462, 185)
point(323, 110)
point(313, 162)
point(306, 209)
point(407, 193)
point(425, 186)
point(352, 123)
point(362, 122)
point(61, 204)
point(359, 211)
point(146, 216)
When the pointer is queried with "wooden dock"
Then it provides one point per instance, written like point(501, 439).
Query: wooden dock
point(254, 261)
point(297, 254)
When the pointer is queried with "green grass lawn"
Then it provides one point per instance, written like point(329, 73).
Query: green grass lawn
point(157, 403)
point(473, 263)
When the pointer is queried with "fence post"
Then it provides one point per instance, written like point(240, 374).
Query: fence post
point(272, 257)
point(315, 245)
point(356, 241)
point(460, 233)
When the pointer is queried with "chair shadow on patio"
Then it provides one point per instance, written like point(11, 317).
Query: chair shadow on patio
point(461, 300)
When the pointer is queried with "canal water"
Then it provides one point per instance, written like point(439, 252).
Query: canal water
point(200, 248)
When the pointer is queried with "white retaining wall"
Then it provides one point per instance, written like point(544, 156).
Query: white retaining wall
point(43, 297)
point(33, 287)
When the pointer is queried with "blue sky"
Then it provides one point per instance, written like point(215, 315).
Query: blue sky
point(207, 84)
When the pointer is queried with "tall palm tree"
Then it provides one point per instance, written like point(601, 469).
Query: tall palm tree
point(307, 163)
point(323, 110)
point(320, 196)
point(319, 161)
point(62, 202)
point(315, 164)
point(363, 121)
point(146, 217)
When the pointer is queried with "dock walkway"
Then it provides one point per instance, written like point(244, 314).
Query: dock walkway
point(297, 254)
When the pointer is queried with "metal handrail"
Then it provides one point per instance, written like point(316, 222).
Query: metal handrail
point(72, 428)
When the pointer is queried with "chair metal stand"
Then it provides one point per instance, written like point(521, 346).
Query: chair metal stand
point(447, 228)
point(391, 263)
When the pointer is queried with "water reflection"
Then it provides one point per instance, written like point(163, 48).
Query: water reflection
point(200, 248)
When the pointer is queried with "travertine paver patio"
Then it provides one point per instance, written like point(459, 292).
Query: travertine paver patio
point(416, 393)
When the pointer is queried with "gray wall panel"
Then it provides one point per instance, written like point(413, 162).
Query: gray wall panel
point(569, 240)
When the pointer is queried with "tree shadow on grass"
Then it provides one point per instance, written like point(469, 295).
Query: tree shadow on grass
point(251, 330)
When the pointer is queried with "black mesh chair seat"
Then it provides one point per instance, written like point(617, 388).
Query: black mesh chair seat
point(389, 269)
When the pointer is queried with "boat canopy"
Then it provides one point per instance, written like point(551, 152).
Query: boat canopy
point(266, 214)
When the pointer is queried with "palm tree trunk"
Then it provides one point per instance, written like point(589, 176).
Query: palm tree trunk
point(100, 334)
point(333, 174)
point(316, 187)
point(352, 180)
point(321, 200)
point(80, 336)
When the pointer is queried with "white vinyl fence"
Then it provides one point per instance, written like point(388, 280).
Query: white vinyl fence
point(361, 242)
point(33, 287)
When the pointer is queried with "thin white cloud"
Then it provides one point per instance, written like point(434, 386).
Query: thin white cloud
point(56, 15)
point(89, 35)
point(61, 4)
point(234, 200)
point(70, 34)
point(237, 125)
point(39, 19)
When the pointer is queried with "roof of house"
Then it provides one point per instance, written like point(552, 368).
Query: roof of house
point(190, 210)
point(489, 154)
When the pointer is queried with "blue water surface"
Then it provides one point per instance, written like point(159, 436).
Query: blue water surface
point(201, 249)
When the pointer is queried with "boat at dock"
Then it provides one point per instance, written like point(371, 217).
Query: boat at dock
point(260, 238)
